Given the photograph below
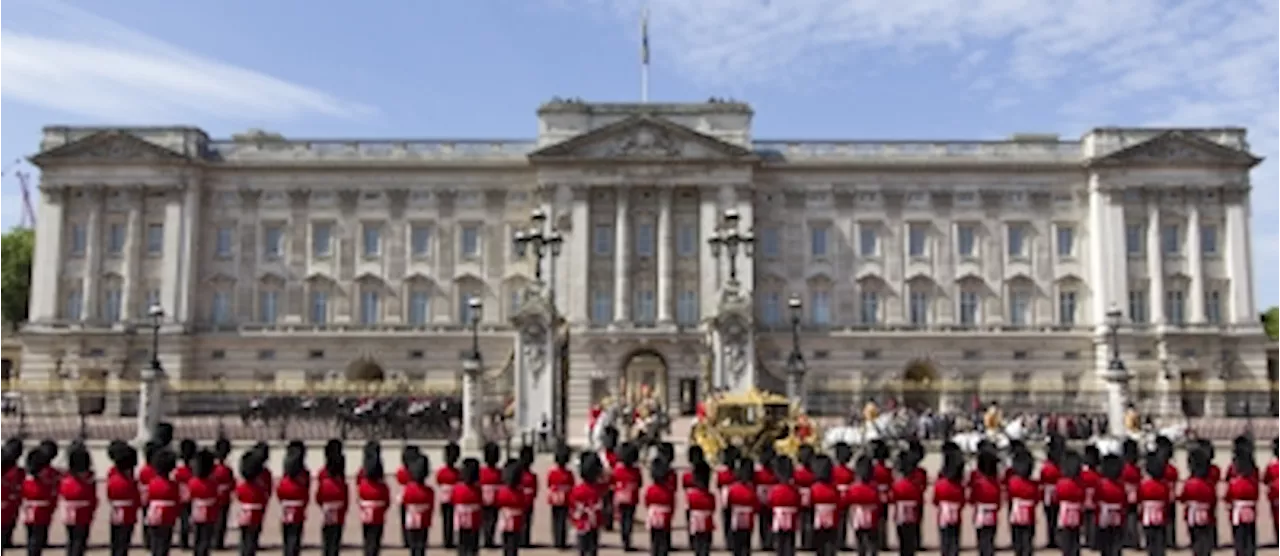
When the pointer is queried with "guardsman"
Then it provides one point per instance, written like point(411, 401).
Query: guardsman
point(560, 483)
point(12, 478)
point(511, 507)
point(1132, 421)
point(702, 509)
point(1215, 478)
point(419, 502)
point(374, 498)
point(1131, 477)
point(446, 478)
point(1089, 479)
point(1070, 504)
point(252, 498)
point(122, 495)
point(586, 507)
point(490, 482)
point(863, 501)
point(984, 496)
point(842, 477)
point(293, 491)
point(608, 459)
point(1153, 499)
point(39, 500)
point(1199, 496)
point(528, 482)
point(826, 507)
point(783, 502)
point(468, 499)
point(1050, 472)
point(949, 498)
point(79, 500)
point(993, 420)
point(667, 451)
point(743, 502)
point(266, 478)
point(226, 481)
point(333, 498)
point(1242, 500)
point(1112, 499)
point(203, 489)
point(803, 479)
point(145, 474)
point(181, 475)
point(907, 498)
point(725, 477)
point(882, 474)
point(1164, 447)
point(764, 480)
point(1024, 495)
point(626, 491)
point(1272, 479)
point(163, 502)
point(410, 454)
point(659, 505)
point(694, 456)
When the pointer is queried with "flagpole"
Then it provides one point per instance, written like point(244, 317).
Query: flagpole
point(644, 56)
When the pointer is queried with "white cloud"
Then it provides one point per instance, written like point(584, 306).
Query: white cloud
point(1133, 62)
point(60, 57)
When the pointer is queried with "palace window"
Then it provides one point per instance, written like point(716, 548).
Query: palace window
point(1213, 307)
point(1066, 241)
point(1134, 240)
point(77, 240)
point(419, 308)
point(1019, 308)
point(1171, 239)
point(644, 311)
point(687, 308)
point(870, 309)
point(770, 243)
point(644, 240)
point(1138, 306)
point(771, 308)
point(969, 308)
point(319, 307)
point(220, 307)
point(155, 238)
point(1175, 307)
point(601, 307)
point(223, 240)
point(267, 305)
point(72, 305)
point(818, 247)
point(917, 239)
point(321, 239)
point(868, 240)
point(602, 239)
point(372, 239)
point(420, 240)
point(1209, 240)
point(1067, 308)
point(111, 304)
point(966, 240)
point(687, 240)
point(821, 308)
point(1017, 240)
point(115, 238)
point(272, 241)
point(918, 307)
point(470, 241)
point(370, 306)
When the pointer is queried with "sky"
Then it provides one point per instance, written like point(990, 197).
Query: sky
point(853, 69)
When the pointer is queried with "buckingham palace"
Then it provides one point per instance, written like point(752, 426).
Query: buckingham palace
point(991, 264)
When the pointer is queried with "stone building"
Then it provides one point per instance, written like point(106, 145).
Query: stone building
point(985, 266)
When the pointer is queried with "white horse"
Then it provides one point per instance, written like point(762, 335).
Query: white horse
point(885, 427)
point(595, 433)
point(1015, 429)
point(1146, 439)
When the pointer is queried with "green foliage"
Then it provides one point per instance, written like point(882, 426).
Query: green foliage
point(15, 282)
point(1270, 320)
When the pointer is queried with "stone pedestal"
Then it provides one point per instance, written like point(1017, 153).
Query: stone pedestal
point(472, 437)
point(150, 403)
point(733, 343)
point(795, 382)
point(1116, 382)
point(535, 363)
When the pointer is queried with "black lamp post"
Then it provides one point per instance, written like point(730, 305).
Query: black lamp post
point(476, 307)
point(795, 362)
point(1116, 376)
point(543, 243)
point(156, 313)
point(1114, 319)
point(730, 241)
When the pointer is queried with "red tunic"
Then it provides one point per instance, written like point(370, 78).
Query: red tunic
point(882, 476)
point(724, 480)
point(1200, 497)
point(446, 478)
point(742, 502)
point(1153, 495)
point(686, 479)
point(1089, 482)
point(764, 480)
point(252, 499)
point(826, 506)
point(908, 499)
point(863, 501)
point(1272, 479)
point(920, 478)
point(949, 497)
point(374, 497)
point(79, 495)
point(1171, 480)
point(419, 505)
point(402, 476)
point(181, 475)
point(204, 499)
point(585, 507)
point(466, 502)
point(560, 482)
point(511, 507)
point(293, 493)
point(626, 485)
point(1070, 503)
point(1131, 477)
point(225, 479)
point(1049, 475)
point(39, 499)
point(1231, 473)
point(529, 484)
point(842, 477)
point(984, 495)
point(1111, 499)
point(490, 482)
point(163, 499)
point(784, 499)
point(702, 509)
point(145, 474)
point(803, 479)
point(12, 482)
point(659, 502)
point(333, 497)
point(1242, 497)
point(1024, 494)
point(123, 495)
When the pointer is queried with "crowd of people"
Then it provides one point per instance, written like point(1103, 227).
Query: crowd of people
point(817, 502)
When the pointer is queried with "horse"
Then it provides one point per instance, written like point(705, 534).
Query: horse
point(596, 430)
point(1146, 439)
point(891, 426)
point(1015, 429)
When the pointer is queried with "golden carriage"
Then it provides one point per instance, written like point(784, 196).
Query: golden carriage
point(752, 420)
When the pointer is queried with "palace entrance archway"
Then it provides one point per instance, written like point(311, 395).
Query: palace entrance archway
point(644, 373)
point(920, 387)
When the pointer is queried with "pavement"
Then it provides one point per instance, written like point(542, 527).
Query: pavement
point(391, 454)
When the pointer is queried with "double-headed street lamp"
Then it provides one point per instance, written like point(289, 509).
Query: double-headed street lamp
point(795, 362)
point(156, 312)
point(542, 241)
point(545, 242)
point(476, 309)
point(729, 241)
point(1116, 376)
point(150, 401)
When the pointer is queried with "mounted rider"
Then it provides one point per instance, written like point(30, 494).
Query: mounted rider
point(1132, 421)
point(993, 421)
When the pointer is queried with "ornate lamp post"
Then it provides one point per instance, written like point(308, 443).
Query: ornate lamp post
point(221, 380)
point(729, 241)
point(543, 241)
point(471, 392)
point(1116, 375)
point(150, 402)
point(795, 362)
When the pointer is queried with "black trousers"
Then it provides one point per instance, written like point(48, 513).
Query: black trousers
point(725, 518)
point(986, 541)
point(526, 534)
point(1171, 526)
point(764, 524)
point(806, 528)
point(404, 533)
point(204, 539)
point(331, 539)
point(825, 542)
point(626, 524)
point(1155, 540)
point(1023, 537)
point(161, 540)
point(1201, 540)
point(842, 531)
point(659, 542)
point(740, 542)
point(489, 526)
point(882, 530)
point(1069, 541)
point(1110, 541)
point(700, 543)
point(1132, 528)
point(784, 542)
point(868, 542)
point(446, 517)
point(220, 526)
point(249, 537)
point(121, 536)
point(7, 540)
point(511, 543)
point(184, 527)
point(588, 543)
point(37, 539)
point(468, 542)
point(908, 538)
point(417, 539)
point(560, 526)
point(1246, 539)
point(949, 540)
point(606, 512)
point(77, 540)
point(291, 534)
point(1089, 526)
point(1051, 521)
point(372, 539)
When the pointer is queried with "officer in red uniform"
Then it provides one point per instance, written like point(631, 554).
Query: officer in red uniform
point(694, 456)
point(949, 499)
point(1024, 494)
point(490, 482)
point(626, 491)
point(203, 489)
point(1050, 472)
point(985, 496)
point(863, 501)
point(702, 509)
point(39, 500)
point(512, 506)
point(408, 455)
point(447, 477)
point(1199, 496)
point(252, 498)
point(1131, 478)
point(122, 495)
point(1164, 447)
point(12, 478)
point(725, 478)
point(294, 491)
point(182, 475)
point(375, 498)
point(609, 460)
point(743, 502)
point(803, 479)
point(226, 481)
point(528, 482)
point(163, 502)
point(764, 480)
point(333, 498)
point(842, 476)
point(783, 502)
point(1070, 504)
point(659, 505)
point(906, 497)
point(560, 482)
point(1272, 479)
point(79, 500)
point(1112, 500)
point(1215, 478)
point(585, 506)
point(826, 507)
point(1242, 500)
point(882, 473)
point(145, 474)
point(1089, 479)
point(1153, 499)
point(467, 501)
point(419, 503)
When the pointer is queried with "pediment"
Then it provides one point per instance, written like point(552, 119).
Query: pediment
point(221, 278)
point(970, 277)
point(1177, 148)
point(869, 275)
point(643, 138)
point(110, 147)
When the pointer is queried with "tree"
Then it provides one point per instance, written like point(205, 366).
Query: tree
point(1270, 320)
point(15, 280)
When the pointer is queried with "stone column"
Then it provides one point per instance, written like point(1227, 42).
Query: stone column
point(134, 244)
point(1155, 264)
point(1239, 266)
point(150, 403)
point(472, 395)
point(1195, 267)
point(621, 261)
point(664, 257)
point(90, 282)
point(578, 252)
point(171, 265)
point(1116, 383)
point(46, 273)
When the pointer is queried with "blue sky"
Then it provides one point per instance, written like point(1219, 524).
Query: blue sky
point(811, 68)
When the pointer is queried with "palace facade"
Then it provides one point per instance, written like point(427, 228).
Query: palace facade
point(989, 265)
